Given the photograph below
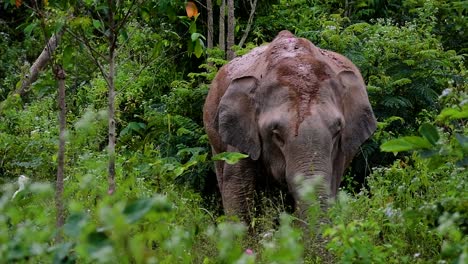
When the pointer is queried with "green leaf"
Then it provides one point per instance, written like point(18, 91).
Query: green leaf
point(193, 27)
point(230, 157)
point(97, 24)
point(405, 144)
point(62, 253)
point(67, 55)
point(195, 36)
point(98, 245)
point(137, 209)
point(179, 171)
point(401, 82)
point(160, 204)
point(124, 34)
point(198, 49)
point(452, 113)
point(396, 145)
point(429, 132)
point(418, 142)
point(74, 224)
point(133, 127)
point(29, 29)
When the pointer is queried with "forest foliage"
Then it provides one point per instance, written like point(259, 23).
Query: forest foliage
point(403, 200)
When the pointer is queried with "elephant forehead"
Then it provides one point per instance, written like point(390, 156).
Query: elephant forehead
point(288, 47)
point(304, 77)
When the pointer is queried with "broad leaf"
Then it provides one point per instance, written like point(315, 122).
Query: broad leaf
point(405, 144)
point(195, 36)
point(429, 132)
point(62, 253)
point(198, 49)
point(75, 223)
point(137, 209)
point(98, 245)
point(452, 113)
point(396, 145)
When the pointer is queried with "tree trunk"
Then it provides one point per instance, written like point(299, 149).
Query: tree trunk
point(253, 6)
point(111, 99)
point(40, 63)
point(222, 15)
point(60, 76)
point(231, 27)
point(209, 7)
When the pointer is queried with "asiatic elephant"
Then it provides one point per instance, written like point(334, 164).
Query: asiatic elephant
point(295, 109)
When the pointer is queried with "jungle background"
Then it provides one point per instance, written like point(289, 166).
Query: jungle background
point(101, 112)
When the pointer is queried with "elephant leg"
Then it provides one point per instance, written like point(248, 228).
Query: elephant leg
point(238, 188)
point(218, 170)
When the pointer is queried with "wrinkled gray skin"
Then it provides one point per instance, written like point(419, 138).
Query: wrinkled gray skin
point(295, 109)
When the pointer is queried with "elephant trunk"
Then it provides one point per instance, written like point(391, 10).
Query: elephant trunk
point(309, 180)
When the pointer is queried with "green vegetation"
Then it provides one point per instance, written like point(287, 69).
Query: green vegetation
point(404, 199)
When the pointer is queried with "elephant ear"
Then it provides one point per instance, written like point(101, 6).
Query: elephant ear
point(360, 122)
point(237, 119)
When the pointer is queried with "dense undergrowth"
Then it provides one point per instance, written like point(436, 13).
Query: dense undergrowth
point(411, 208)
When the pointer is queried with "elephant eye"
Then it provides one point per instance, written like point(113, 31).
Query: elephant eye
point(336, 127)
point(277, 137)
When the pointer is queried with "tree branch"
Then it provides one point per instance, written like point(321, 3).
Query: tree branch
point(126, 16)
point(253, 6)
point(92, 53)
point(40, 63)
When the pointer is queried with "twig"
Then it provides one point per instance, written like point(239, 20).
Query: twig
point(253, 6)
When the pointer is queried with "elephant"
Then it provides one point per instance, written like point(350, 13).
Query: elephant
point(296, 110)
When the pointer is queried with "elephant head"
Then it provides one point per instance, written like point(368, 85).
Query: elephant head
point(304, 111)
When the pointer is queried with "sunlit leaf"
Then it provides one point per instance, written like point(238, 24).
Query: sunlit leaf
point(178, 171)
point(198, 49)
point(405, 144)
point(452, 113)
point(230, 157)
point(193, 27)
point(195, 36)
point(97, 24)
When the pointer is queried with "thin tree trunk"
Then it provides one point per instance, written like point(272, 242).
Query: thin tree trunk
point(209, 7)
point(253, 6)
point(40, 63)
point(230, 31)
point(222, 15)
point(111, 98)
point(60, 76)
